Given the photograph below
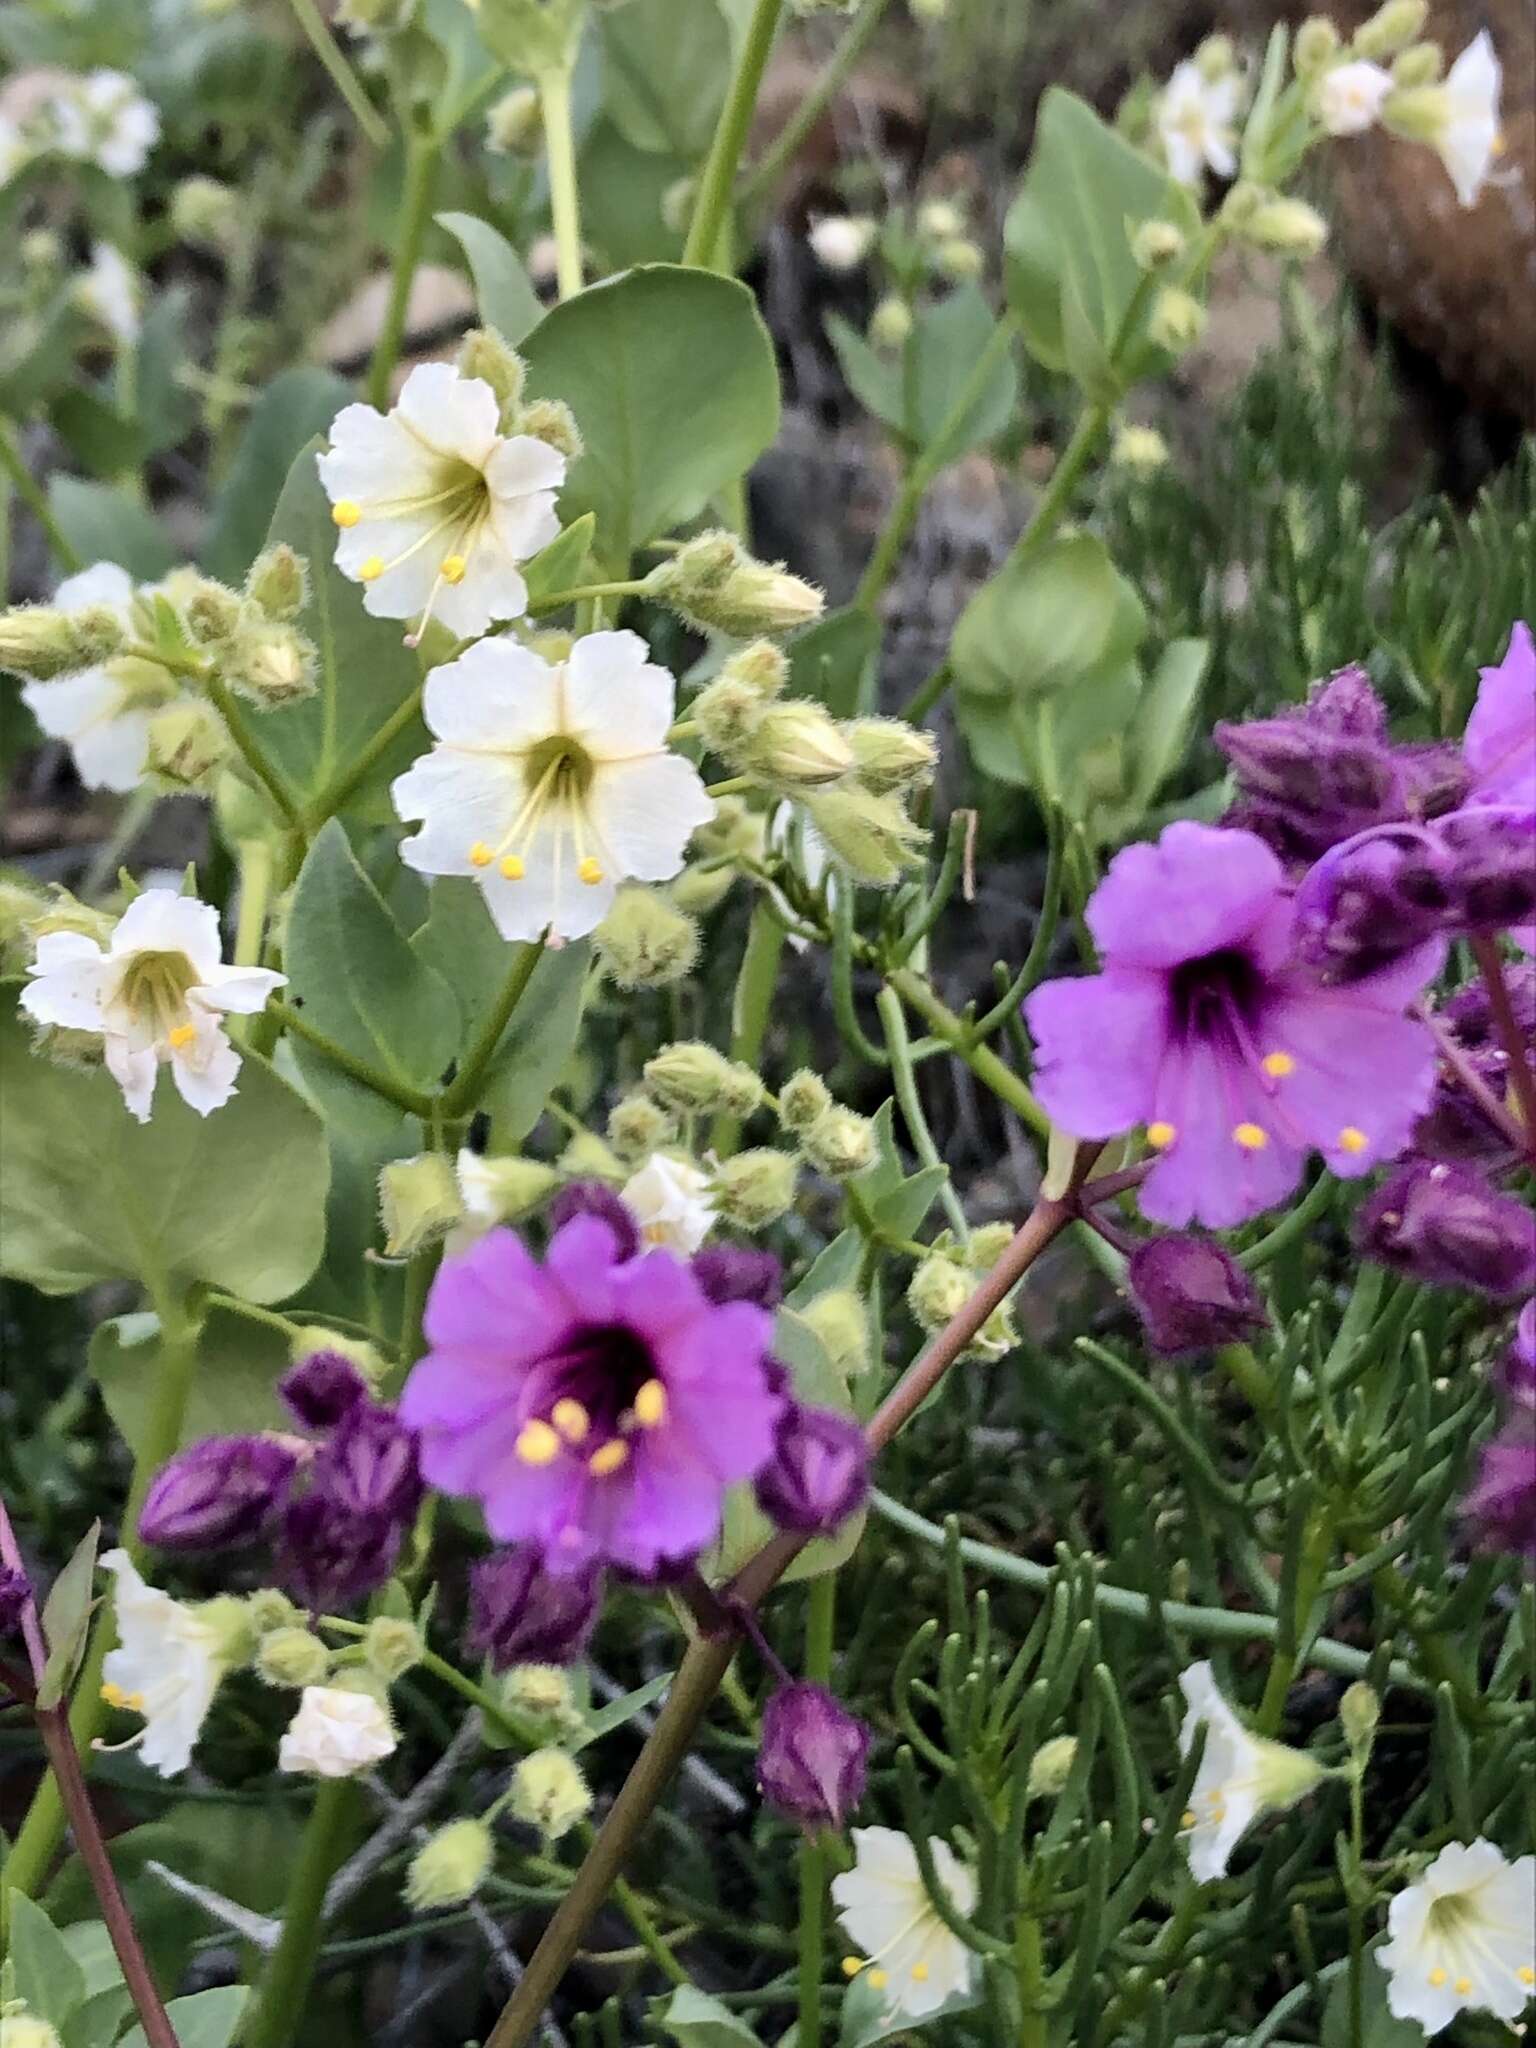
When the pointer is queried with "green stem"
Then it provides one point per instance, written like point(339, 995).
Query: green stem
point(558, 599)
point(285, 1983)
point(1522, 1079)
point(560, 152)
point(462, 1094)
point(408, 1099)
point(718, 181)
point(763, 177)
point(36, 502)
point(1317, 1545)
point(421, 160)
point(251, 750)
point(343, 77)
point(637, 1913)
point(1030, 1953)
point(820, 1624)
point(751, 1006)
point(1092, 424)
point(335, 793)
point(893, 1021)
point(982, 1061)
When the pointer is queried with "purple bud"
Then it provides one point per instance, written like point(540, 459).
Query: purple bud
point(592, 1198)
point(813, 1764)
point(818, 1474)
point(321, 1388)
point(1494, 873)
point(1470, 1013)
point(1519, 1374)
point(222, 1491)
point(520, 1613)
point(1347, 704)
point(736, 1272)
point(1191, 1295)
point(1345, 782)
point(1374, 898)
point(15, 1592)
point(1446, 1226)
point(1503, 1501)
point(368, 1467)
point(329, 1557)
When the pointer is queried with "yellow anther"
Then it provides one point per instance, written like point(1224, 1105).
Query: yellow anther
point(1526, 1974)
point(512, 868)
point(571, 1419)
point(537, 1444)
point(374, 566)
point(878, 1980)
point(1252, 1137)
point(1219, 1810)
point(182, 1035)
point(1187, 1817)
point(1352, 1140)
point(453, 568)
point(1278, 1064)
point(651, 1404)
point(480, 855)
point(852, 1965)
point(346, 512)
point(123, 1702)
point(1437, 1977)
point(920, 1973)
point(1462, 1986)
point(589, 870)
point(1161, 1135)
point(610, 1457)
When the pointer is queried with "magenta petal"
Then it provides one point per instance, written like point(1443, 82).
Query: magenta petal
point(493, 1298)
point(657, 1295)
point(1098, 1044)
point(1205, 1176)
point(1359, 1070)
point(1500, 742)
point(1198, 889)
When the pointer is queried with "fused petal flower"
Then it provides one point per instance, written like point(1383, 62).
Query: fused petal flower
point(1205, 1027)
point(1197, 122)
point(167, 1666)
point(1500, 740)
point(156, 995)
point(669, 1199)
point(103, 118)
point(1463, 1938)
point(597, 1407)
point(102, 712)
point(549, 785)
point(1445, 1225)
point(322, 1388)
point(1192, 1294)
point(522, 1614)
point(812, 1763)
point(330, 1557)
point(885, 1908)
point(435, 508)
point(1349, 97)
point(336, 1734)
point(1241, 1776)
point(222, 1491)
point(1503, 1501)
point(819, 1472)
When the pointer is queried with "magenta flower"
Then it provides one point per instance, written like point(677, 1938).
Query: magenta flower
point(1205, 1027)
point(1500, 742)
point(597, 1407)
point(1503, 1501)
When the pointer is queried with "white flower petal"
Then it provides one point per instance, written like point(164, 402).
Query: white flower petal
point(102, 583)
point(67, 987)
point(647, 809)
point(491, 587)
point(168, 1658)
point(550, 894)
point(205, 1069)
point(113, 753)
point(452, 414)
point(133, 1068)
point(70, 703)
point(669, 1199)
point(522, 465)
point(336, 1734)
point(463, 799)
point(617, 700)
point(239, 991)
point(496, 696)
point(161, 921)
point(373, 458)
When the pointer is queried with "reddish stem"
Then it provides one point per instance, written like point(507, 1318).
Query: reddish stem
point(1485, 952)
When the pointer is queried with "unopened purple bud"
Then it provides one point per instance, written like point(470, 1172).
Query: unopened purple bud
point(330, 1557)
point(1191, 1295)
point(1519, 1375)
point(1374, 898)
point(217, 1493)
point(1494, 873)
point(321, 1388)
point(15, 1592)
point(1503, 1501)
point(1470, 1012)
point(1347, 704)
point(818, 1474)
point(368, 1467)
point(520, 1613)
point(736, 1272)
point(593, 1198)
point(1446, 1226)
point(813, 1764)
point(1353, 782)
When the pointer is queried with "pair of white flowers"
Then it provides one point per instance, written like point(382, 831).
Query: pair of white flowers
point(99, 117)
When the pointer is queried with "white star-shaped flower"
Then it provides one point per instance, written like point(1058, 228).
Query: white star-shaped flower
point(1241, 1776)
point(1471, 137)
point(1350, 97)
point(436, 508)
point(1197, 122)
point(104, 119)
point(102, 712)
point(551, 783)
point(336, 1734)
point(157, 995)
point(167, 1666)
point(883, 1904)
point(1463, 1939)
point(109, 291)
point(669, 1199)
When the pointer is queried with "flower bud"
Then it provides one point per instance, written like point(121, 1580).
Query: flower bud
point(699, 890)
point(271, 1610)
point(1419, 113)
point(1503, 1501)
point(186, 744)
point(1492, 848)
point(840, 1143)
point(1448, 1227)
point(1420, 65)
point(450, 1866)
point(841, 1321)
point(40, 643)
point(418, 1202)
point(222, 1491)
point(997, 1336)
point(1050, 1767)
point(83, 1050)
point(1348, 98)
point(645, 941)
point(1191, 1294)
point(515, 125)
point(761, 665)
point(340, 1729)
point(818, 1473)
point(205, 212)
point(213, 613)
point(890, 755)
point(739, 1272)
point(841, 241)
point(803, 1098)
point(988, 1243)
point(291, 1657)
point(940, 220)
point(1518, 1374)
point(671, 1200)
point(1156, 244)
point(229, 1627)
point(59, 911)
point(270, 662)
point(520, 1613)
point(959, 259)
point(549, 1793)
point(1139, 448)
point(1288, 226)
point(1177, 321)
point(713, 583)
point(392, 1647)
point(871, 835)
point(735, 829)
point(595, 1198)
point(1317, 42)
point(690, 1075)
point(15, 1598)
point(368, 1466)
point(551, 421)
point(324, 1385)
point(1359, 1712)
point(586, 1157)
point(278, 583)
point(891, 323)
point(329, 1555)
point(541, 1691)
point(22, 2029)
point(813, 1763)
point(728, 712)
point(1391, 28)
point(754, 1188)
point(637, 1126)
point(937, 1291)
point(1216, 59)
point(498, 1190)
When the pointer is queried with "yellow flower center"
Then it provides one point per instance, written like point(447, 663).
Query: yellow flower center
point(1352, 1139)
point(456, 510)
point(122, 1702)
point(1252, 1137)
point(609, 1457)
point(558, 775)
point(1278, 1064)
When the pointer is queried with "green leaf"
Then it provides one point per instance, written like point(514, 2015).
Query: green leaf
point(104, 524)
point(48, 1979)
point(66, 1618)
point(233, 1389)
point(827, 661)
point(915, 393)
point(234, 1199)
point(1164, 716)
point(365, 671)
point(695, 2020)
point(562, 565)
point(506, 299)
point(98, 2021)
point(867, 2016)
point(90, 1943)
point(618, 1713)
point(1379, 2029)
point(671, 376)
point(207, 2019)
point(622, 190)
point(666, 66)
point(1050, 616)
point(295, 407)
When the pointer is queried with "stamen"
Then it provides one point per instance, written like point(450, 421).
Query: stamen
point(123, 1702)
point(920, 1973)
point(651, 1404)
point(1462, 1986)
point(1278, 1064)
point(878, 1980)
point(1526, 1974)
point(1252, 1137)
point(480, 855)
point(1187, 1817)
point(182, 1035)
point(1161, 1135)
point(513, 868)
point(372, 568)
point(852, 1965)
point(454, 567)
point(589, 870)
point(1438, 1976)
point(537, 1444)
point(1352, 1140)
point(346, 512)
point(571, 1419)
point(1219, 1810)
point(609, 1458)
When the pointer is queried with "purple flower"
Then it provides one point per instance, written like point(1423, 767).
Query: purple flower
point(737, 1272)
point(1500, 741)
point(1456, 1126)
point(597, 1406)
point(331, 1557)
point(819, 1472)
point(1448, 1227)
point(813, 1764)
point(1504, 1499)
point(592, 1198)
point(519, 1613)
point(222, 1491)
point(1204, 1026)
point(15, 1592)
point(368, 1467)
point(321, 1388)
point(1191, 1295)
point(1493, 854)
point(1519, 1375)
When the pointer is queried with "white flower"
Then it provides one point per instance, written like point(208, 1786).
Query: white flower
point(1241, 1776)
point(15, 152)
point(1471, 138)
point(841, 241)
point(1463, 1939)
point(435, 506)
point(1196, 122)
point(1350, 96)
point(99, 710)
point(550, 785)
point(885, 1907)
point(167, 1666)
point(156, 994)
point(104, 119)
point(109, 292)
point(335, 1734)
point(669, 1199)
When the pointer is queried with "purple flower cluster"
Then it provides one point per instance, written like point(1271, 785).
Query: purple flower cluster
point(338, 1508)
point(1503, 1501)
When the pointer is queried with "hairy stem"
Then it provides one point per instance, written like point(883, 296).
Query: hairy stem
point(251, 750)
point(465, 1088)
point(719, 177)
point(409, 1099)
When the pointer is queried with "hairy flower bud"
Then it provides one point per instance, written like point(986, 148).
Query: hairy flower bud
point(645, 941)
point(1288, 226)
point(419, 1202)
point(541, 1691)
point(841, 1321)
point(1518, 1374)
point(271, 1610)
point(889, 754)
point(803, 1098)
point(1191, 1294)
point(549, 1793)
point(519, 1613)
point(212, 611)
point(1391, 28)
point(1492, 849)
point(270, 662)
point(937, 1291)
point(368, 1465)
point(22, 2029)
point(728, 712)
point(738, 1272)
point(222, 1491)
point(1156, 244)
point(753, 1188)
point(205, 212)
point(40, 643)
point(515, 126)
point(450, 1866)
point(1177, 320)
point(498, 1190)
point(677, 204)
point(278, 583)
point(1050, 1767)
point(840, 1143)
point(1419, 113)
point(551, 421)
point(291, 1657)
point(818, 1474)
point(959, 259)
point(690, 1075)
point(940, 220)
point(323, 1387)
point(1359, 1712)
point(1446, 1226)
point(1317, 42)
point(1139, 448)
point(1216, 59)
point(392, 1647)
point(1503, 1501)
point(891, 323)
point(988, 1243)
point(186, 744)
point(714, 583)
point(1420, 65)
point(812, 1765)
point(638, 1126)
point(870, 835)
